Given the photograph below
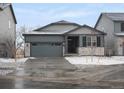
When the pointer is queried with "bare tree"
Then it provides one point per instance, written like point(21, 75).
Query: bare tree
point(11, 46)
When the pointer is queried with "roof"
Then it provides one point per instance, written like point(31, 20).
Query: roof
point(115, 16)
point(45, 32)
point(86, 26)
point(11, 8)
point(50, 32)
point(62, 22)
point(112, 16)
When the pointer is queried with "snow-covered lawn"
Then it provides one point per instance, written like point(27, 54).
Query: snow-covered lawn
point(8, 65)
point(11, 63)
point(95, 60)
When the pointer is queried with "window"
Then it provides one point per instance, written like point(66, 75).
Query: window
point(84, 41)
point(88, 40)
point(98, 41)
point(122, 27)
point(94, 41)
point(34, 44)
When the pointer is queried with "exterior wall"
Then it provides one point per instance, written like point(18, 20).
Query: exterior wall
point(107, 25)
point(119, 45)
point(60, 27)
point(91, 51)
point(44, 38)
point(7, 27)
point(27, 49)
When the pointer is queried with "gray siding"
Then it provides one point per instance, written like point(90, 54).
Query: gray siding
point(7, 27)
point(44, 39)
point(107, 25)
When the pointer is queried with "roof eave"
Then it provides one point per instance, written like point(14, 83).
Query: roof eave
point(41, 34)
point(13, 13)
point(98, 20)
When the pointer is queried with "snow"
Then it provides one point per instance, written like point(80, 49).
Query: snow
point(8, 65)
point(11, 63)
point(10, 60)
point(95, 60)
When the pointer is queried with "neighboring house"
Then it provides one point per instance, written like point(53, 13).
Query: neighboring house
point(64, 38)
point(7, 30)
point(113, 25)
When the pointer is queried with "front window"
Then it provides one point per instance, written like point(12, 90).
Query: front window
point(94, 41)
point(84, 41)
point(89, 41)
point(122, 27)
point(98, 41)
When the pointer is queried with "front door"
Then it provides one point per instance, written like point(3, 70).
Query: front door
point(73, 43)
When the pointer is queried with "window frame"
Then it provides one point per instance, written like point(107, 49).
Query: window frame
point(122, 27)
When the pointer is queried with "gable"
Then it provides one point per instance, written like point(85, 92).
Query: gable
point(84, 30)
point(8, 13)
point(102, 20)
point(105, 24)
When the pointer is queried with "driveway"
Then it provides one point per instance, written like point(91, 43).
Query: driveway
point(45, 67)
point(59, 73)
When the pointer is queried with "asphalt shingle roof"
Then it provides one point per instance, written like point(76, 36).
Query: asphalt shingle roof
point(115, 16)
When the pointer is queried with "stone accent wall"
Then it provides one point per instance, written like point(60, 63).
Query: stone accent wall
point(91, 51)
point(27, 49)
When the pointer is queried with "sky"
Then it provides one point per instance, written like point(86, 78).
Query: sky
point(33, 15)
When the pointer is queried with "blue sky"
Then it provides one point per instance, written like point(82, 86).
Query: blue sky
point(39, 14)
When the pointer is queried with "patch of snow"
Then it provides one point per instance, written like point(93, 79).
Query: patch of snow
point(11, 63)
point(8, 65)
point(22, 60)
point(95, 60)
point(11, 60)
point(5, 72)
point(32, 57)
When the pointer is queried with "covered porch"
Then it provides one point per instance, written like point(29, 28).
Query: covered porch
point(84, 45)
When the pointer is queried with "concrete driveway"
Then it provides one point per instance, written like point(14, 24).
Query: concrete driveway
point(59, 73)
point(45, 67)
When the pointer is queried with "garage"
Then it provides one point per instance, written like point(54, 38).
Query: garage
point(46, 49)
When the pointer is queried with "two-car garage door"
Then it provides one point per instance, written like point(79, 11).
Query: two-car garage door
point(46, 49)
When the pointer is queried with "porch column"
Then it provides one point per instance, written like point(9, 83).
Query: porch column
point(66, 44)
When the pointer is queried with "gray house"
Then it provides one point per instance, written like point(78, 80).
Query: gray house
point(64, 38)
point(113, 25)
point(7, 30)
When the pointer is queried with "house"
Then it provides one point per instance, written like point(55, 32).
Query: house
point(7, 30)
point(64, 38)
point(113, 25)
